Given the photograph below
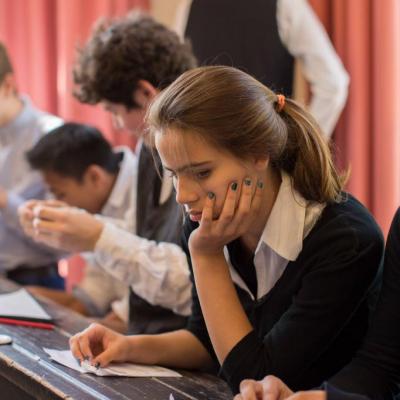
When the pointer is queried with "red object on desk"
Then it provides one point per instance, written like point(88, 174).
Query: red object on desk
point(31, 324)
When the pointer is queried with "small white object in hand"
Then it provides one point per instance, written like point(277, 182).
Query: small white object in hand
point(37, 210)
point(36, 222)
point(171, 397)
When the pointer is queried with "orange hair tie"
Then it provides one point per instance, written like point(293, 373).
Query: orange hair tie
point(280, 99)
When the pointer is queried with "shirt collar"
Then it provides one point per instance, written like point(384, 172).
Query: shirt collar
point(284, 231)
point(123, 181)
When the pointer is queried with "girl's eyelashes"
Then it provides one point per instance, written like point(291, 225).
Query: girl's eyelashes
point(196, 174)
point(202, 174)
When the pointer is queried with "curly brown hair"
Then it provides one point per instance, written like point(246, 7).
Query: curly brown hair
point(123, 51)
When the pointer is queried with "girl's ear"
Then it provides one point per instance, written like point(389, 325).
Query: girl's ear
point(261, 164)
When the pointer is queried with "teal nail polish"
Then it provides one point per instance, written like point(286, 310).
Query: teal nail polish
point(210, 195)
point(247, 181)
point(260, 184)
point(234, 186)
point(97, 365)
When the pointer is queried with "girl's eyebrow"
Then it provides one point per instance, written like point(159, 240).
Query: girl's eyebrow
point(188, 166)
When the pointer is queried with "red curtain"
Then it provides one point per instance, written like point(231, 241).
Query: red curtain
point(366, 34)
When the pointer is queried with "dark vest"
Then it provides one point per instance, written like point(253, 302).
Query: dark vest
point(162, 223)
point(242, 34)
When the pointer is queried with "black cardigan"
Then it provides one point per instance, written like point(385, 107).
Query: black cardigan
point(313, 320)
point(375, 371)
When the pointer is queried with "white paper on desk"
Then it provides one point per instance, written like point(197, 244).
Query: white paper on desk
point(66, 358)
point(22, 305)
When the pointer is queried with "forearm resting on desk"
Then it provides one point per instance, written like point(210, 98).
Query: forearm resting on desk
point(178, 349)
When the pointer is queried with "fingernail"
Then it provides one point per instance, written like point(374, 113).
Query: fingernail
point(97, 365)
point(247, 181)
point(210, 195)
point(86, 358)
point(260, 184)
point(79, 361)
point(234, 186)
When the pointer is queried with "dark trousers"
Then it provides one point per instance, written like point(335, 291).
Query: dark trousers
point(46, 276)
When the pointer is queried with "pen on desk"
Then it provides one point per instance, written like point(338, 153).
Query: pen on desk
point(32, 324)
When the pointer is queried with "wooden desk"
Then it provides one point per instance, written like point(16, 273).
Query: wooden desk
point(26, 372)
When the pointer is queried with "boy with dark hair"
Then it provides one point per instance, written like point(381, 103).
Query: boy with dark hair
point(123, 66)
point(77, 164)
point(21, 125)
point(81, 169)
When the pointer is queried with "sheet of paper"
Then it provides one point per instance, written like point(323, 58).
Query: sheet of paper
point(21, 304)
point(66, 358)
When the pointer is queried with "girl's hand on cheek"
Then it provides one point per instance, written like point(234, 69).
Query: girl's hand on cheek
point(237, 215)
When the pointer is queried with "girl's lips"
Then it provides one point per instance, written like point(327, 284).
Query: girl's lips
point(195, 216)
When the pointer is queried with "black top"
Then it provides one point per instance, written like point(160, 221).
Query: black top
point(313, 320)
point(246, 37)
point(161, 223)
point(376, 368)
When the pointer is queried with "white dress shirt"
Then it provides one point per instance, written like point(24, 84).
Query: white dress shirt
point(157, 272)
point(99, 291)
point(305, 39)
point(290, 221)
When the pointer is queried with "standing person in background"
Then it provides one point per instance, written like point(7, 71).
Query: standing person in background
point(264, 38)
point(123, 66)
point(282, 259)
point(21, 126)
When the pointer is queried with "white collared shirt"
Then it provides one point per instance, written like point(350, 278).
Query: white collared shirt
point(157, 272)
point(305, 38)
point(99, 290)
point(290, 221)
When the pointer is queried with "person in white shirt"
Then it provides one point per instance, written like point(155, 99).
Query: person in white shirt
point(21, 126)
point(123, 66)
point(81, 170)
point(264, 38)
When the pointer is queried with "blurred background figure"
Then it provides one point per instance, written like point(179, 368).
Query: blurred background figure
point(265, 39)
point(21, 126)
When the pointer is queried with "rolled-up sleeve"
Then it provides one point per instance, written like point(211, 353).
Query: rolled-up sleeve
point(157, 272)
